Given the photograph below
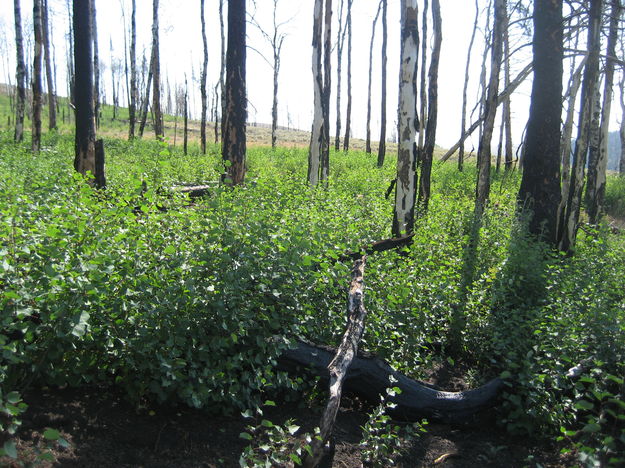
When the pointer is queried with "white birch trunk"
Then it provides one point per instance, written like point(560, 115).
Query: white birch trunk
point(405, 190)
point(316, 140)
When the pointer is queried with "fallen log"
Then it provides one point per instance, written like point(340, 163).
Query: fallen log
point(338, 367)
point(196, 191)
point(368, 377)
point(379, 246)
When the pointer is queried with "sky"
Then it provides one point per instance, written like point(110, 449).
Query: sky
point(181, 55)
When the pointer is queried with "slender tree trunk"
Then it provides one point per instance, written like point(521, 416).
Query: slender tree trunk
point(37, 86)
point(316, 139)
point(234, 144)
point(327, 72)
point(405, 187)
point(430, 131)
point(539, 194)
point(134, 91)
point(507, 109)
point(490, 111)
point(382, 143)
point(186, 115)
point(567, 131)
point(340, 43)
point(48, 63)
point(274, 105)
point(159, 130)
point(84, 160)
point(487, 47)
point(621, 166)
point(96, 64)
point(348, 116)
point(20, 73)
point(222, 70)
point(595, 191)
point(203, 81)
point(146, 99)
point(567, 230)
point(423, 107)
point(113, 79)
point(368, 137)
point(463, 125)
point(70, 62)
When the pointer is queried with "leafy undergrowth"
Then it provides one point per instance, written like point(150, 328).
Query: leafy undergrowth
point(173, 301)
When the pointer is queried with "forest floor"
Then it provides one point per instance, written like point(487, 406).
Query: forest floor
point(104, 430)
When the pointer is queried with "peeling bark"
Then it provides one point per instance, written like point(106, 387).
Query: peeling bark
point(316, 138)
point(382, 142)
point(405, 189)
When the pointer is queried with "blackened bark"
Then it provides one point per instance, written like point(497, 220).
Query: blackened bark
point(134, 91)
point(36, 79)
point(567, 229)
point(368, 137)
point(539, 194)
point(186, 115)
point(234, 143)
point(430, 131)
point(507, 105)
point(222, 70)
point(327, 77)
point(382, 143)
point(146, 99)
point(159, 130)
point(96, 64)
point(348, 114)
point(203, 82)
point(48, 63)
point(490, 110)
point(595, 192)
point(20, 74)
point(621, 166)
point(316, 134)
point(84, 160)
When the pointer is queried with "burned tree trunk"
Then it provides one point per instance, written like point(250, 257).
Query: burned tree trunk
point(20, 74)
point(382, 143)
point(423, 94)
point(48, 63)
point(96, 64)
point(595, 192)
point(405, 189)
point(340, 44)
point(234, 144)
point(186, 116)
point(85, 159)
point(567, 230)
point(621, 166)
point(539, 194)
point(36, 85)
point(490, 110)
point(146, 100)
point(203, 81)
point(220, 86)
point(463, 124)
point(327, 77)
point(134, 92)
point(339, 366)
point(159, 130)
point(430, 131)
point(368, 137)
point(348, 112)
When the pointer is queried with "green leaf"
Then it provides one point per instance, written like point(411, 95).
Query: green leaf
point(267, 423)
point(169, 250)
point(245, 435)
point(292, 429)
point(80, 325)
point(591, 427)
point(584, 405)
point(13, 398)
point(10, 449)
point(270, 403)
point(505, 375)
point(295, 459)
point(51, 434)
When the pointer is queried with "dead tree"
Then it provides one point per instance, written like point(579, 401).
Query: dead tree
point(96, 64)
point(490, 110)
point(430, 131)
point(220, 86)
point(203, 81)
point(405, 188)
point(233, 142)
point(382, 143)
point(20, 74)
point(340, 44)
point(423, 94)
point(368, 137)
point(134, 91)
point(159, 130)
point(48, 64)
point(36, 78)
point(319, 152)
point(595, 192)
point(145, 103)
point(539, 194)
point(348, 112)
point(463, 124)
point(569, 221)
point(621, 166)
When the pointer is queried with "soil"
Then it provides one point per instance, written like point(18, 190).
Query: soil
point(104, 430)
